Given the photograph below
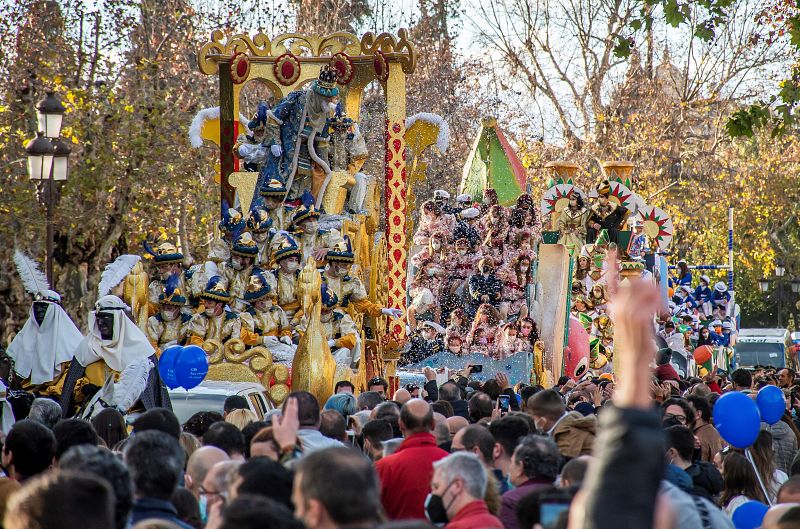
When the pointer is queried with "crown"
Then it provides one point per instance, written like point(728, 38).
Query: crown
point(327, 77)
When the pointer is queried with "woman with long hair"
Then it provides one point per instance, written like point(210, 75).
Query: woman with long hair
point(486, 318)
point(458, 325)
point(739, 483)
point(516, 277)
point(684, 275)
point(764, 457)
point(529, 332)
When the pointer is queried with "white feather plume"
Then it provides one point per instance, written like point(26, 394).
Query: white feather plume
point(208, 114)
point(115, 272)
point(32, 278)
point(131, 384)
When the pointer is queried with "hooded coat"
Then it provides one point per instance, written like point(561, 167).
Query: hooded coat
point(574, 434)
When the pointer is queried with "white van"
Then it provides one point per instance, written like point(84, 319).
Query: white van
point(764, 347)
point(210, 395)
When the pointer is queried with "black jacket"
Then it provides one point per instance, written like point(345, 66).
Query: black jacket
point(622, 489)
point(706, 479)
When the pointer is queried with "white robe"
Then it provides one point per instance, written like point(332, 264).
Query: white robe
point(38, 351)
point(128, 346)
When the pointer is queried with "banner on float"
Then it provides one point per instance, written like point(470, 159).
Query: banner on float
point(517, 367)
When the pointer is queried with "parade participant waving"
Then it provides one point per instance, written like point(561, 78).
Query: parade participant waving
point(114, 349)
point(315, 242)
point(168, 262)
point(45, 343)
point(267, 320)
point(486, 320)
point(349, 288)
point(169, 326)
point(510, 342)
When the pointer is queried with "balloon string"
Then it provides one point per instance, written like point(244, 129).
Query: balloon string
point(749, 457)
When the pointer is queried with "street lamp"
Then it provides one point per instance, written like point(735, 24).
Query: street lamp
point(48, 161)
point(40, 157)
point(50, 113)
point(763, 285)
point(779, 270)
point(61, 152)
point(795, 285)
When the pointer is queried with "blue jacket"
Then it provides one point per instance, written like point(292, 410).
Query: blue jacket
point(703, 294)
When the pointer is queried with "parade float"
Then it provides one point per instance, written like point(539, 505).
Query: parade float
point(371, 210)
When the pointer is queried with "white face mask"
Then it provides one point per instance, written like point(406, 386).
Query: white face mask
point(331, 107)
point(431, 272)
point(264, 304)
point(261, 237)
point(210, 312)
point(170, 315)
point(436, 245)
point(289, 266)
point(236, 263)
point(310, 226)
point(340, 271)
point(462, 251)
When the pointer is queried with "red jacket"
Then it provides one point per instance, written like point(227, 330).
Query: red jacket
point(406, 476)
point(474, 515)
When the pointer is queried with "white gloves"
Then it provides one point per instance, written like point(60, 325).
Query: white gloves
point(269, 340)
point(331, 343)
point(394, 313)
point(286, 340)
point(276, 150)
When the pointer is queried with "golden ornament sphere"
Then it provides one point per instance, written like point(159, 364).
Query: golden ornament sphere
point(281, 374)
point(278, 393)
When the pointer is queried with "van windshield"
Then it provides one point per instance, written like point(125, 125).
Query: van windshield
point(759, 354)
point(185, 404)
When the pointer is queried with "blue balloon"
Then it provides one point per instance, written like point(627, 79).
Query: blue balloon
point(191, 366)
point(166, 366)
point(770, 404)
point(749, 515)
point(737, 419)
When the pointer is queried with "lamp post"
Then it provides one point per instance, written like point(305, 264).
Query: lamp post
point(779, 294)
point(48, 161)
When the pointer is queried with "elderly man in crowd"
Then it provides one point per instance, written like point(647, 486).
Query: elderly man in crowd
point(457, 490)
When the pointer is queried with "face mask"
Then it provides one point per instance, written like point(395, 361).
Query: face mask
point(436, 245)
point(289, 266)
point(40, 311)
point(331, 107)
point(340, 272)
point(526, 331)
point(310, 226)
point(482, 340)
point(210, 312)
point(236, 263)
point(431, 272)
point(435, 510)
point(203, 503)
point(264, 304)
point(261, 237)
point(169, 315)
point(462, 251)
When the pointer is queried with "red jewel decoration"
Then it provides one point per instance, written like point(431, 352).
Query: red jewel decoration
point(343, 65)
point(381, 66)
point(286, 69)
point(240, 68)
